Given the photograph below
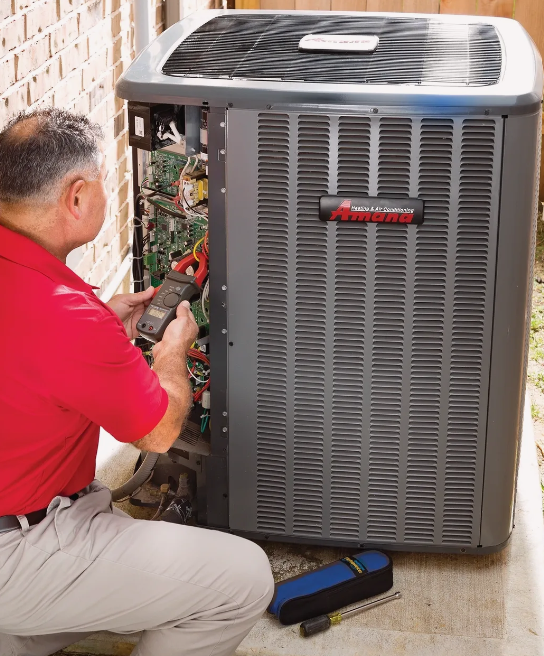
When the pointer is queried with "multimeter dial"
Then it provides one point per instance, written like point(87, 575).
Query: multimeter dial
point(176, 288)
point(171, 300)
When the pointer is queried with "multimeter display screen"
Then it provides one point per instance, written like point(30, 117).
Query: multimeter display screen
point(155, 312)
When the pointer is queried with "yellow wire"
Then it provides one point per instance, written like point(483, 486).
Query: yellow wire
point(195, 247)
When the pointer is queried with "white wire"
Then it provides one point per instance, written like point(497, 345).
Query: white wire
point(186, 207)
point(198, 380)
point(204, 298)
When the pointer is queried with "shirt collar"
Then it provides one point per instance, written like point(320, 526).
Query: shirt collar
point(27, 253)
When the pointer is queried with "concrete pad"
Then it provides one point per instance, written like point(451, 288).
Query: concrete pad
point(453, 605)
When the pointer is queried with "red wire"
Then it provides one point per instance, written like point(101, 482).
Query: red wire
point(198, 394)
point(198, 355)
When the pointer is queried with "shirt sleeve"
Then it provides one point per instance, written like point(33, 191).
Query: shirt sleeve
point(101, 374)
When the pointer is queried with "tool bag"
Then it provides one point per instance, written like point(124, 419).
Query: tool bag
point(332, 586)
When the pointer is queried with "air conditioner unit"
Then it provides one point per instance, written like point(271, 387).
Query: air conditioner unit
point(372, 205)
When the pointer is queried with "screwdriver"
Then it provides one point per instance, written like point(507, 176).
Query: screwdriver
point(323, 622)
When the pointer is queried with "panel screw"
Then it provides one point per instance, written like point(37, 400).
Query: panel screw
point(224, 413)
point(374, 110)
point(223, 190)
point(224, 288)
point(229, 105)
point(486, 112)
point(224, 331)
point(269, 107)
point(222, 152)
point(222, 124)
point(224, 429)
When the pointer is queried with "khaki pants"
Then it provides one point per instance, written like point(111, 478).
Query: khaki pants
point(85, 568)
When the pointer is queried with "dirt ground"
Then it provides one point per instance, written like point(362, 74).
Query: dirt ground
point(535, 382)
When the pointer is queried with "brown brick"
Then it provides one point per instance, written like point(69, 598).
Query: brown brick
point(124, 237)
point(119, 124)
point(73, 56)
point(93, 69)
point(122, 217)
point(64, 34)
point(115, 22)
point(99, 112)
point(122, 47)
point(13, 102)
point(86, 263)
point(45, 100)
point(81, 105)
point(40, 17)
point(32, 56)
point(123, 192)
point(119, 102)
point(5, 9)
point(111, 6)
point(159, 19)
point(89, 16)
point(7, 71)
point(111, 156)
point(110, 98)
point(43, 80)
point(12, 33)
point(68, 89)
point(66, 6)
point(100, 36)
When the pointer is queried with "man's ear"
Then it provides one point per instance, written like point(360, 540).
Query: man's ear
point(74, 198)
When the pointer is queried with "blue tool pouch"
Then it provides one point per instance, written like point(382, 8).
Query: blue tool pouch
point(332, 586)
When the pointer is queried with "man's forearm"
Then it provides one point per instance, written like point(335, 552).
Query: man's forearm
point(170, 367)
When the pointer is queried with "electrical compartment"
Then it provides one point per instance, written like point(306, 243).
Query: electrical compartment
point(171, 210)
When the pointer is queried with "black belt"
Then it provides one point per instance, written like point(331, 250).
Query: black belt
point(10, 522)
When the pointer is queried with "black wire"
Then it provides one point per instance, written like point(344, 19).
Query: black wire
point(160, 191)
point(137, 240)
point(178, 215)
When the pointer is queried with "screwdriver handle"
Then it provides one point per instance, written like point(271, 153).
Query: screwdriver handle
point(315, 625)
point(323, 622)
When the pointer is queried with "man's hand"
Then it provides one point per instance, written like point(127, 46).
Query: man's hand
point(180, 333)
point(130, 307)
point(171, 367)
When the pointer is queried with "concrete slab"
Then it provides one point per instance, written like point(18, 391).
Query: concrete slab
point(452, 606)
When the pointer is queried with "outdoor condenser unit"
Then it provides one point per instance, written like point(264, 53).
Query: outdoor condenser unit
point(372, 206)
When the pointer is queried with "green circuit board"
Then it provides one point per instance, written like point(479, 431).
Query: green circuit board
point(164, 169)
point(172, 235)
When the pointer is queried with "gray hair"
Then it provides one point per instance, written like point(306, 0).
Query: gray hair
point(39, 149)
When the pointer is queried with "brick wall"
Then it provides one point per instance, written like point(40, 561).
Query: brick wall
point(70, 53)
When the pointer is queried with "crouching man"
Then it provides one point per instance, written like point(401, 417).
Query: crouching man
point(69, 565)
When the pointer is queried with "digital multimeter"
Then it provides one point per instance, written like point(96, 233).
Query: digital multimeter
point(177, 287)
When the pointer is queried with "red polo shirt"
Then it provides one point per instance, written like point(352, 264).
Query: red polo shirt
point(67, 367)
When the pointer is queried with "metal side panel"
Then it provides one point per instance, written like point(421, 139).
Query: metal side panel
point(515, 257)
point(242, 271)
point(359, 364)
point(217, 463)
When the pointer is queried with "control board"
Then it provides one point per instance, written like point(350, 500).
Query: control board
point(173, 206)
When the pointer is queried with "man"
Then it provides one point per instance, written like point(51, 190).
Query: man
point(69, 566)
